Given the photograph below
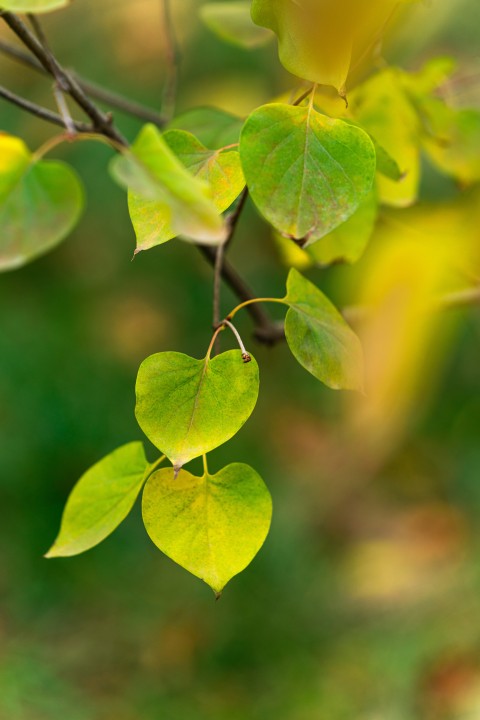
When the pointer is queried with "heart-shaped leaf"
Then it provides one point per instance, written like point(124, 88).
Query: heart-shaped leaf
point(151, 170)
point(33, 6)
point(152, 220)
point(188, 407)
point(319, 337)
point(100, 500)
point(213, 525)
point(232, 22)
point(40, 203)
point(306, 172)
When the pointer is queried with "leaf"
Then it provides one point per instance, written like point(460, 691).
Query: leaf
point(320, 41)
point(221, 170)
point(33, 6)
point(213, 525)
point(319, 337)
point(100, 500)
point(231, 21)
point(40, 203)
point(188, 407)
point(151, 170)
point(384, 110)
point(306, 172)
point(213, 127)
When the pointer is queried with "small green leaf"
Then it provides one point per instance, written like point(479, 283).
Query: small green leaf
point(319, 337)
point(231, 21)
point(40, 203)
point(152, 171)
point(33, 6)
point(213, 127)
point(221, 170)
point(100, 500)
point(213, 525)
point(306, 172)
point(188, 407)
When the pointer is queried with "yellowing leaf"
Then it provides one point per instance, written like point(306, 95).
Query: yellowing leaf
point(322, 41)
point(40, 203)
point(152, 220)
point(100, 500)
point(213, 525)
point(306, 172)
point(383, 108)
point(33, 6)
point(152, 171)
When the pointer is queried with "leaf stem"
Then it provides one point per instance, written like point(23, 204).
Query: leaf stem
point(205, 465)
point(153, 466)
point(253, 301)
point(245, 355)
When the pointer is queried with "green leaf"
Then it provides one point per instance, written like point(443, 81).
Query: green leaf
point(100, 500)
point(33, 6)
point(221, 170)
point(188, 407)
point(319, 337)
point(306, 172)
point(213, 525)
point(213, 127)
point(232, 22)
point(320, 41)
point(152, 171)
point(40, 203)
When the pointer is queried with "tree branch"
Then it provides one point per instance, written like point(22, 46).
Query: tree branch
point(110, 98)
point(41, 112)
point(100, 120)
point(172, 56)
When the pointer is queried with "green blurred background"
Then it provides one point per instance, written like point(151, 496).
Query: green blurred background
point(364, 603)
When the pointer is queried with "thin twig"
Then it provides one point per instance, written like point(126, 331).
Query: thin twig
point(172, 57)
point(97, 92)
point(41, 112)
point(101, 121)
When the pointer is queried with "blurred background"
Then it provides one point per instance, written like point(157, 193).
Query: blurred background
point(364, 603)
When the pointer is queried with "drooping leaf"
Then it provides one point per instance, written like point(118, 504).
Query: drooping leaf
point(100, 500)
point(320, 41)
point(33, 6)
point(232, 22)
point(40, 203)
point(222, 171)
point(152, 171)
point(213, 525)
point(319, 337)
point(188, 407)
point(306, 172)
point(213, 127)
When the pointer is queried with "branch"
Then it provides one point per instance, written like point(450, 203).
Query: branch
point(41, 112)
point(101, 121)
point(110, 98)
point(173, 62)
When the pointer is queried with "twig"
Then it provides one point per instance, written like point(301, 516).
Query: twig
point(100, 120)
point(41, 112)
point(110, 98)
point(172, 57)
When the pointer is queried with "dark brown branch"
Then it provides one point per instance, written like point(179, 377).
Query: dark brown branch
point(41, 112)
point(101, 121)
point(110, 98)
